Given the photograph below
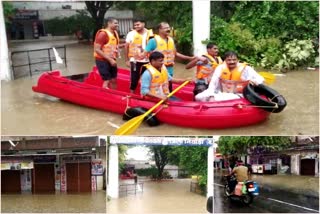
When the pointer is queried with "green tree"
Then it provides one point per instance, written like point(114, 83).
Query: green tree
point(194, 159)
point(162, 156)
point(8, 12)
point(177, 13)
point(240, 145)
point(298, 19)
point(97, 10)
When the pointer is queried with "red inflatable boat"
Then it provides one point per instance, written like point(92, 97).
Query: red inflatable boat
point(86, 90)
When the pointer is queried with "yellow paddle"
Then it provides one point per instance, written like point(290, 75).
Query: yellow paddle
point(131, 126)
point(269, 78)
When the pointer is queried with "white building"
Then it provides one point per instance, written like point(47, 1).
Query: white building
point(32, 15)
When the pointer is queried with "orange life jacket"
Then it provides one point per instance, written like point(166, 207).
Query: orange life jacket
point(230, 81)
point(110, 48)
point(167, 48)
point(135, 47)
point(160, 80)
point(204, 72)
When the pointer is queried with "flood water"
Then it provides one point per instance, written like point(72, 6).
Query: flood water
point(160, 197)
point(25, 112)
point(54, 203)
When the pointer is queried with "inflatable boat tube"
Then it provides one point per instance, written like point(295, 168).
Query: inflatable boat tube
point(137, 111)
point(274, 103)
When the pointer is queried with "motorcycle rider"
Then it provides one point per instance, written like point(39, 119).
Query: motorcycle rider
point(242, 174)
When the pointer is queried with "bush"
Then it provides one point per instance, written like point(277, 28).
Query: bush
point(235, 36)
point(152, 171)
point(69, 25)
point(296, 53)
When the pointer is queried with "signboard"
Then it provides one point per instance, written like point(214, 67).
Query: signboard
point(17, 165)
point(44, 159)
point(76, 158)
point(96, 167)
point(63, 176)
point(161, 141)
point(26, 15)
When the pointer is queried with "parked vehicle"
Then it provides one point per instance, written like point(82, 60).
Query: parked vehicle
point(245, 191)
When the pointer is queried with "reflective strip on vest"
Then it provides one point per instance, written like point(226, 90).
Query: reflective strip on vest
point(111, 48)
point(205, 72)
point(166, 48)
point(135, 47)
point(231, 82)
point(159, 81)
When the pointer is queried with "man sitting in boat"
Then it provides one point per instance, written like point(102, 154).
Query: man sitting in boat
point(229, 79)
point(155, 79)
point(206, 64)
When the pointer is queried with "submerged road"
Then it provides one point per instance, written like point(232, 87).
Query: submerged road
point(264, 203)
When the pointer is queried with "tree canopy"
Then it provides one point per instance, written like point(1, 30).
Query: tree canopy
point(240, 145)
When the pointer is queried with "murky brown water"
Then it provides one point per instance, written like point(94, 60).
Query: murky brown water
point(55, 203)
point(164, 197)
point(27, 113)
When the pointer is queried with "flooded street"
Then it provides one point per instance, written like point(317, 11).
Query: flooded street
point(25, 112)
point(54, 203)
point(160, 197)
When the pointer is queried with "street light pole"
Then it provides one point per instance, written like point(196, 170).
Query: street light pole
point(5, 73)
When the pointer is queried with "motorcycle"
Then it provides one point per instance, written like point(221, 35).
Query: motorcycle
point(248, 191)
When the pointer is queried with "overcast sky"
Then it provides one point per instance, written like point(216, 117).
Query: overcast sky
point(138, 153)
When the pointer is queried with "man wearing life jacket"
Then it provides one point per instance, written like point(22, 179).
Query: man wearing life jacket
point(136, 42)
point(165, 44)
point(106, 46)
point(229, 79)
point(206, 64)
point(155, 79)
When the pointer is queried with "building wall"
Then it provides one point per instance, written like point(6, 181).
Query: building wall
point(295, 164)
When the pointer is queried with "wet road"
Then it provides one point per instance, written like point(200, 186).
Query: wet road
point(54, 203)
point(160, 197)
point(27, 113)
point(264, 203)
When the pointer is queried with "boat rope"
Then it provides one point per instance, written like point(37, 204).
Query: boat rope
point(127, 105)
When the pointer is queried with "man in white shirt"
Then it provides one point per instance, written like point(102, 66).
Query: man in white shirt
point(136, 41)
point(229, 79)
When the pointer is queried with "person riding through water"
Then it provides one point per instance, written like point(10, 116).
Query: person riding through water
point(229, 79)
point(206, 64)
point(241, 172)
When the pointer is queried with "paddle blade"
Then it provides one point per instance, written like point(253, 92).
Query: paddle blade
point(269, 78)
point(130, 126)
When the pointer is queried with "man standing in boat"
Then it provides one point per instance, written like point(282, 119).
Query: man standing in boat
point(106, 46)
point(229, 79)
point(136, 42)
point(206, 64)
point(165, 44)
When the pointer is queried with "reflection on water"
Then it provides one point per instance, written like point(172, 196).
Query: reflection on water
point(160, 197)
point(50, 116)
point(54, 203)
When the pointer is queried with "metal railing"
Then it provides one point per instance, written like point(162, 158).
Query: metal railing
point(29, 62)
point(130, 189)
